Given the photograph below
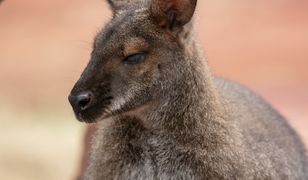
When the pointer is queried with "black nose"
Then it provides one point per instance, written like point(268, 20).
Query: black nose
point(81, 102)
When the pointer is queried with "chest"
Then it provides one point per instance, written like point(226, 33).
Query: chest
point(146, 159)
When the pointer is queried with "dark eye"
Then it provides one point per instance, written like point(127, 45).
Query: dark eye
point(134, 59)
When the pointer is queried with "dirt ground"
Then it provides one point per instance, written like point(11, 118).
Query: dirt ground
point(44, 45)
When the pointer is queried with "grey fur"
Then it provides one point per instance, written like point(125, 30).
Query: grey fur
point(180, 121)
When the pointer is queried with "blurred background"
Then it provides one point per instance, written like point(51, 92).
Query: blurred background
point(44, 46)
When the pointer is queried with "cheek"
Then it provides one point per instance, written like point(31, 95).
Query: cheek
point(135, 73)
point(135, 76)
point(144, 69)
point(147, 69)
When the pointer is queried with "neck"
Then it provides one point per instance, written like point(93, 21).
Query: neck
point(189, 110)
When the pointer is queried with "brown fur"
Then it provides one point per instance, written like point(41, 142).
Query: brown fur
point(167, 117)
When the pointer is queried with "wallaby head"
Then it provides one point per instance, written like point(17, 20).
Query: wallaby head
point(134, 57)
point(171, 118)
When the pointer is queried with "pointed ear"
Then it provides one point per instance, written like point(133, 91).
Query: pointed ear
point(118, 4)
point(173, 13)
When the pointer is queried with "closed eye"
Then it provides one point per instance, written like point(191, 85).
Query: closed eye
point(134, 59)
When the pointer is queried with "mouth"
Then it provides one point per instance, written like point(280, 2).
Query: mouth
point(89, 120)
point(97, 111)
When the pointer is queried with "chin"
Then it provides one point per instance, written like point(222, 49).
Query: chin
point(92, 118)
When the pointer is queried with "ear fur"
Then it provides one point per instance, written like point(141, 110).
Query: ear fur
point(118, 4)
point(173, 13)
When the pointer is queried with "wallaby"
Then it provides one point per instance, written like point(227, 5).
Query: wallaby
point(163, 115)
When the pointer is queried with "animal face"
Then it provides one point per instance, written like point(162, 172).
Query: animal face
point(131, 57)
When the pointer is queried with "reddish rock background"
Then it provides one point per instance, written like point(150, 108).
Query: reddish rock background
point(44, 45)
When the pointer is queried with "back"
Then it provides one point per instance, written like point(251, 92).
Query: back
point(268, 138)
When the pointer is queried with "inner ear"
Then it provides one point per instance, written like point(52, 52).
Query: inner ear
point(173, 13)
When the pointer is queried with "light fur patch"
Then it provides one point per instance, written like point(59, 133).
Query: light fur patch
point(119, 102)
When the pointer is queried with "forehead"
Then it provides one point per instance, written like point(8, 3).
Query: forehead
point(129, 23)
